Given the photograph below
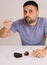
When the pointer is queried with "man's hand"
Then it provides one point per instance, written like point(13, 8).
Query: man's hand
point(39, 53)
point(5, 31)
point(7, 23)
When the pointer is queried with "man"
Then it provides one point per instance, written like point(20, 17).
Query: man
point(32, 29)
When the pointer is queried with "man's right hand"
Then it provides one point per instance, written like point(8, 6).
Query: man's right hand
point(7, 23)
point(5, 31)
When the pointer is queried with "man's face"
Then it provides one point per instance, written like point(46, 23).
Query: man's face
point(30, 13)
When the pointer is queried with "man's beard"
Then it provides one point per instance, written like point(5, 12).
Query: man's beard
point(29, 21)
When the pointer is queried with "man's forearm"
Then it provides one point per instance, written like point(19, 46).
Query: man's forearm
point(3, 32)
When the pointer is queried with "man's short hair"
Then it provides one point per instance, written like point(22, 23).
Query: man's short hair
point(30, 3)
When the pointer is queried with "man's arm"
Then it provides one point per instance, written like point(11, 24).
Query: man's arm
point(5, 33)
point(40, 52)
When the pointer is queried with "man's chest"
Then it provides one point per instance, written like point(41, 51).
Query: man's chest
point(32, 33)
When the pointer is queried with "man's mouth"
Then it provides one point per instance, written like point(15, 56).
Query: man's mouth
point(28, 20)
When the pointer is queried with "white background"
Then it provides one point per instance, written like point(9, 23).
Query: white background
point(13, 10)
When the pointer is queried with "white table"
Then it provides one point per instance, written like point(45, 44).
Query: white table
point(7, 58)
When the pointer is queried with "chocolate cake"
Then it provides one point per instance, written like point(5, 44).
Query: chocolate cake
point(17, 55)
point(26, 53)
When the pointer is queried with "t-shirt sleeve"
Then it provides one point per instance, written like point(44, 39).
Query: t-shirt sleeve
point(14, 27)
point(45, 27)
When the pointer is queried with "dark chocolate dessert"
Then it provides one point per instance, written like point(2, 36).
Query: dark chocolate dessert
point(26, 53)
point(17, 55)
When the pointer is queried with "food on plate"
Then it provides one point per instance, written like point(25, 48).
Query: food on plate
point(17, 55)
point(26, 53)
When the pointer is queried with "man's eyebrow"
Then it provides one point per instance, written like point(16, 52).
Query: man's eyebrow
point(30, 10)
point(25, 11)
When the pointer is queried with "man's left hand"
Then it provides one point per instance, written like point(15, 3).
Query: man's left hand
point(39, 53)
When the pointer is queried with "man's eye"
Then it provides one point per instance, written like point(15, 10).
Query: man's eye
point(30, 11)
point(25, 11)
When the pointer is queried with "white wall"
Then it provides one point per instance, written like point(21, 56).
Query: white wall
point(13, 10)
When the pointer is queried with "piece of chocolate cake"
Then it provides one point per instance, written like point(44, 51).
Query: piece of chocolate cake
point(17, 55)
point(26, 53)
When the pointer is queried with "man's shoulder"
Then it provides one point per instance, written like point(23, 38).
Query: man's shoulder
point(20, 21)
point(42, 18)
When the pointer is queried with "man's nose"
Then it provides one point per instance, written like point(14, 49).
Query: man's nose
point(27, 14)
